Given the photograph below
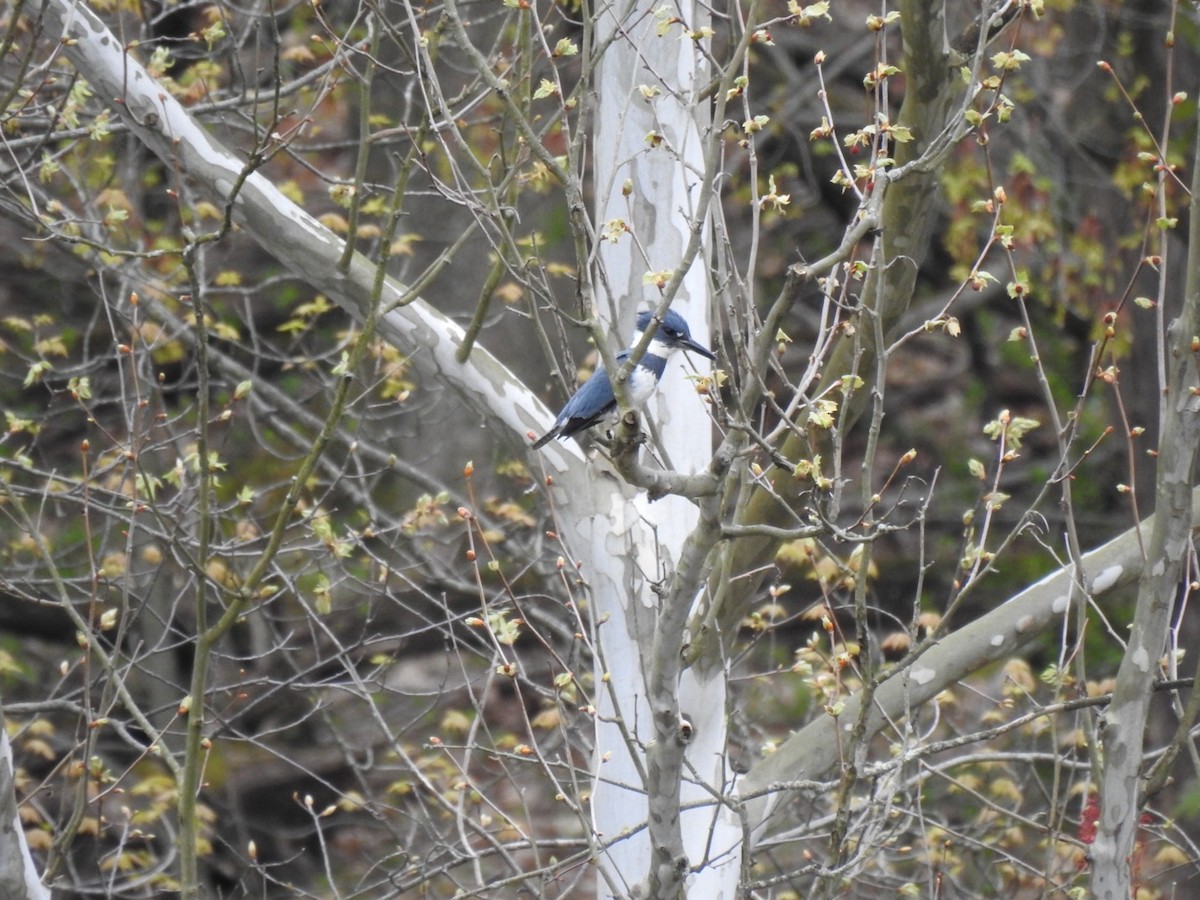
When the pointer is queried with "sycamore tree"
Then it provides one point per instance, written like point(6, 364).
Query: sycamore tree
point(891, 598)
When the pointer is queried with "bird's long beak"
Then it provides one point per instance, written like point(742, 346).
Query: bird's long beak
point(689, 344)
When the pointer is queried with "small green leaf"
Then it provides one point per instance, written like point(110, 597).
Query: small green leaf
point(613, 231)
point(750, 126)
point(148, 485)
point(805, 14)
point(213, 33)
point(15, 424)
point(1009, 60)
point(822, 412)
point(80, 387)
point(1017, 289)
point(546, 89)
point(995, 499)
point(36, 372)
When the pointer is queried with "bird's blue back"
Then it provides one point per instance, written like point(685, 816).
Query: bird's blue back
point(597, 399)
point(597, 396)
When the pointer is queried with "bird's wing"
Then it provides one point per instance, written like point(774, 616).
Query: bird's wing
point(588, 405)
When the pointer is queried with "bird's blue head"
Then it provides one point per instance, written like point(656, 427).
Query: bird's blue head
point(673, 334)
point(597, 400)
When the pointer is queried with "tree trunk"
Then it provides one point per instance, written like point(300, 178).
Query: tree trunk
point(1167, 554)
point(650, 172)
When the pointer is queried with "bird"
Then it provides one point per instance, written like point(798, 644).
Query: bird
point(596, 400)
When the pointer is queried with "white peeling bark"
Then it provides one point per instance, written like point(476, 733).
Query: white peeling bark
point(18, 875)
point(622, 545)
point(287, 232)
point(649, 172)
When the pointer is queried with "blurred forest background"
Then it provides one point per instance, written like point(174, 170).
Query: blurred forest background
point(361, 734)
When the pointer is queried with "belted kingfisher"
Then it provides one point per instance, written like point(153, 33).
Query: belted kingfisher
point(596, 400)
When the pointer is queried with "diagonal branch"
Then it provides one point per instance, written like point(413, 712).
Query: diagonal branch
point(813, 750)
point(287, 232)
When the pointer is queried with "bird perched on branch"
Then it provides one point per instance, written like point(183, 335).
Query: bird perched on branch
point(596, 400)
